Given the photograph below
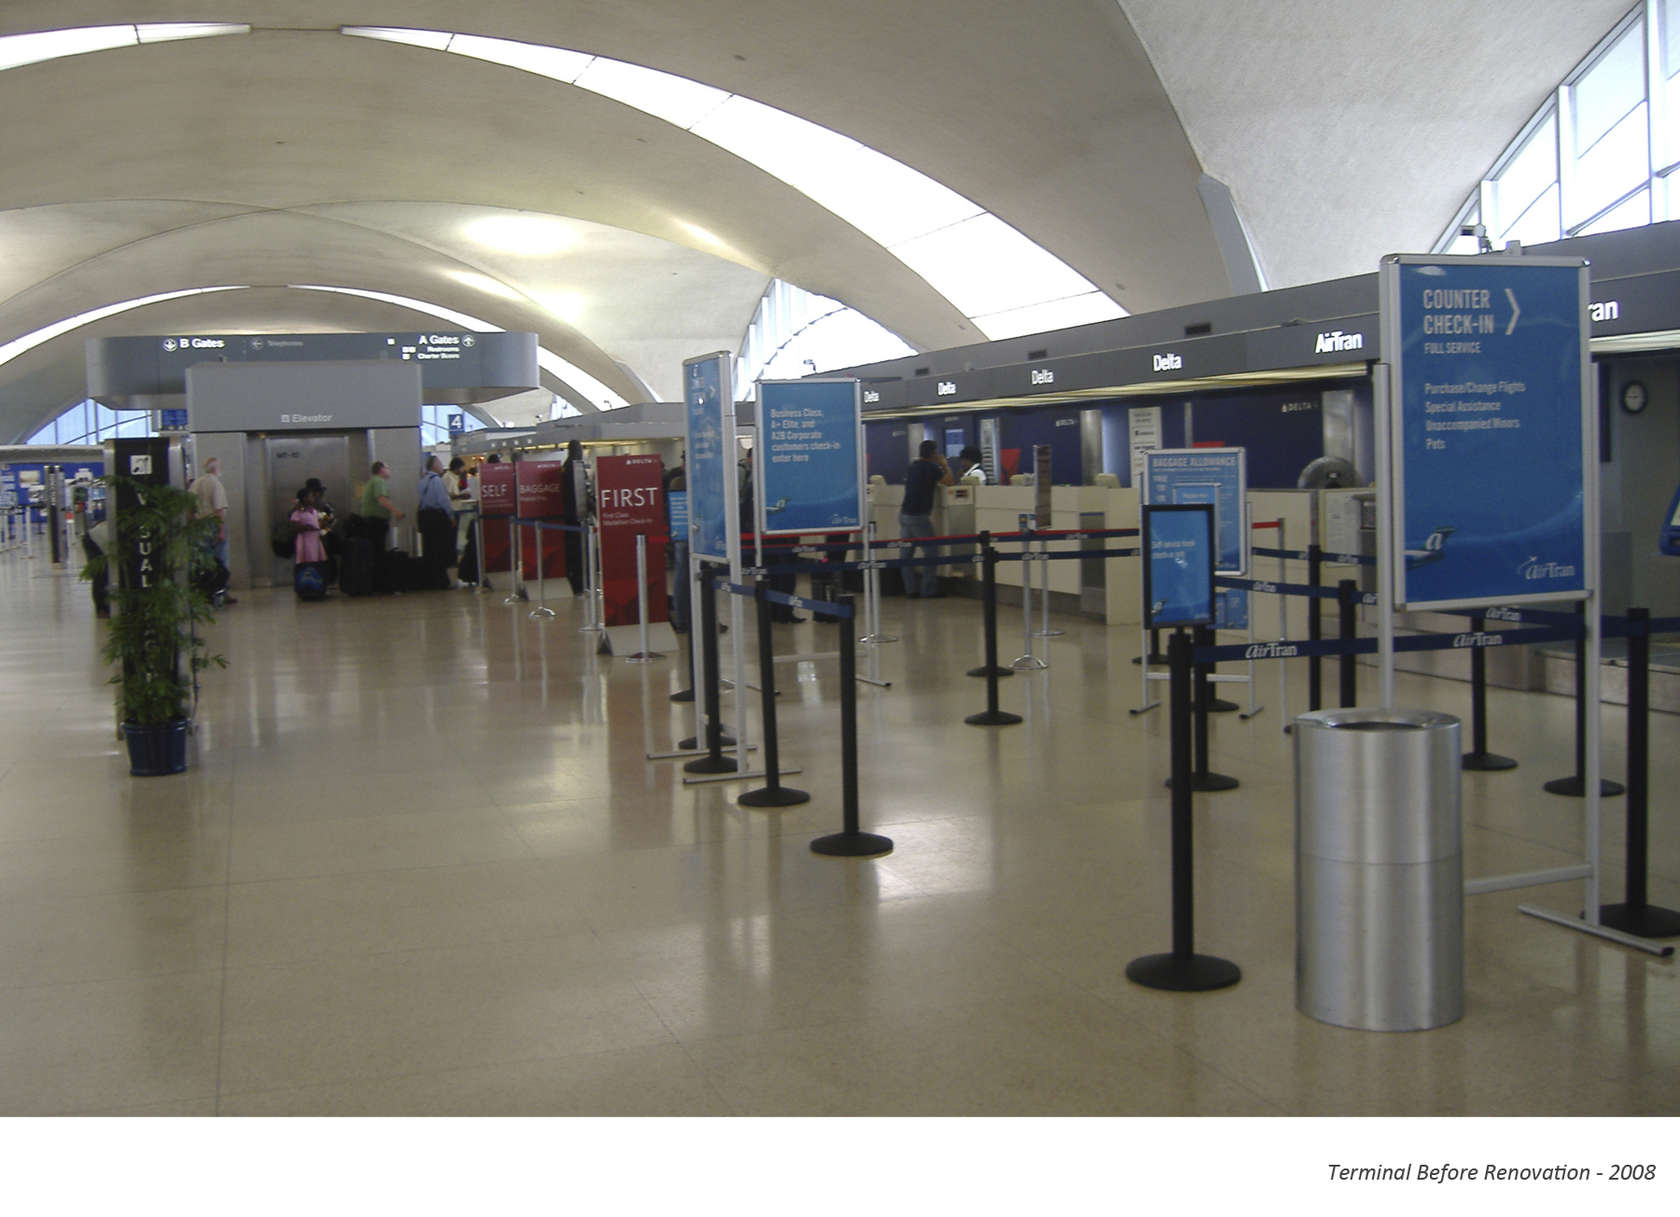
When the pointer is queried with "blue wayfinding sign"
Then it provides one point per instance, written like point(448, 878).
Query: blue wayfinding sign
point(1490, 429)
point(711, 455)
point(1178, 575)
point(1216, 476)
point(809, 456)
point(676, 504)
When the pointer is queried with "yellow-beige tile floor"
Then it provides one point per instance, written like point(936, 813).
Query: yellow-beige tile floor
point(420, 865)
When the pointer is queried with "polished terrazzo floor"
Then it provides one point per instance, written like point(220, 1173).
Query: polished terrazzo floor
point(421, 866)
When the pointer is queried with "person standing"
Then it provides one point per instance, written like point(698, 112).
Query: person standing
point(915, 515)
point(436, 519)
point(574, 511)
point(377, 512)
point(970, 462)
point(456, 482)
point(213, 501)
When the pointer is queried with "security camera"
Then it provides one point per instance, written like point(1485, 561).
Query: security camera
point(1479, 231)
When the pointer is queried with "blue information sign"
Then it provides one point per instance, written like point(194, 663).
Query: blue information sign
point(1230, 610)
point(711, 457)
point(457, 424)
point(676, 504)
point(1216, 476)
point(1489, 429)
point(1178, 573)
point(810, 476)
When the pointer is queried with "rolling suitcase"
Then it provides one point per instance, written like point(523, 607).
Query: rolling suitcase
point(355, 576)
point(309, 581)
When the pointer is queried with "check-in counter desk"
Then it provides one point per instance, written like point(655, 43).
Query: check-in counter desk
point(998, 509)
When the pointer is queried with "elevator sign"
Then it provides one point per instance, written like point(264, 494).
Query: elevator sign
point(1490, 429)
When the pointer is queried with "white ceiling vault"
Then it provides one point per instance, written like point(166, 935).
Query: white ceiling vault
point(295, 155)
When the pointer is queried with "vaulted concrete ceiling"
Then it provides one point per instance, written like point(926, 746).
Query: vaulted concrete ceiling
point(296, 155)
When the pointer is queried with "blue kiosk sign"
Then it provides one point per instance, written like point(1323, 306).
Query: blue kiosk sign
point(810, 456)
point(1216, 476)
point(709, 402)
point(1490, 429)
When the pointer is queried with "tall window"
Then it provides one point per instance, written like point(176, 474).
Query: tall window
point(795, 333)
point(1601, 154)
point(88, 422)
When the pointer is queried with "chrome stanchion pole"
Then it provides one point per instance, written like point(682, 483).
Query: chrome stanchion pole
point(542, 609)
point(872, 590)
point(1027, 662)
point(642, 655)
point(1044, 564)
point(516, 561)
point(482, 584)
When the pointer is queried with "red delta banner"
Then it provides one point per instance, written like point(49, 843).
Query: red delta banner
point(537, 495)
point(628, 503)
point(496, 502)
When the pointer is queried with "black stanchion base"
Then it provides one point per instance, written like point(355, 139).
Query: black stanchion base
point(705, 764)
point(987, 718)
point(1219, 705)
point(852, 845)
point(1576, 788)
point(689, 744)
point(780, 796)
point(1209, 783)
point(1487, 762)
point(1644, 921)
point(685, 695)
point(983, 670)
point(1183, 973)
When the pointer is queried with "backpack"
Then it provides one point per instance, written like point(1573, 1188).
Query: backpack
point(281, 537)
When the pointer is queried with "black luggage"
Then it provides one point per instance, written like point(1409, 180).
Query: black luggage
point(407, 573)
point(309, 580)
point(355, 575)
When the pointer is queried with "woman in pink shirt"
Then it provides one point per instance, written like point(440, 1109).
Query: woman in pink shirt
point(307, 545)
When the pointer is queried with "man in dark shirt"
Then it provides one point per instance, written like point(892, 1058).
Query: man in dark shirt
point(915, 515)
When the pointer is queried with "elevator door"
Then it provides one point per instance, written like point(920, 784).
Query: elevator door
point(291, 461)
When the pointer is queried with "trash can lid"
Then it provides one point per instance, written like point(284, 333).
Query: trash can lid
point(1372, 719)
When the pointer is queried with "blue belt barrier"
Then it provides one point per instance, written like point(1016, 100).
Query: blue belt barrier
point(825, 607)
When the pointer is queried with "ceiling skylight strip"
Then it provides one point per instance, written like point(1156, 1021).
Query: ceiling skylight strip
point(16, 50)
point(28, 342)
point(979, 263)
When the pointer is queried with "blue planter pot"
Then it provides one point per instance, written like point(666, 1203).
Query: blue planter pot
point(156, 750)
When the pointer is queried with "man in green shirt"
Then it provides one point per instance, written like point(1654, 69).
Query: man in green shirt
point(377, 512)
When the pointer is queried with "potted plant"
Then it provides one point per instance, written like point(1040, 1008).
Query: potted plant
point(160, 548)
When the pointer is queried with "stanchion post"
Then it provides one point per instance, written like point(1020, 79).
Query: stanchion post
point(1202, 778)
point(1315, 628)
point(1182, 970)
point(714, 761)
point(516, 582)
point(851, 842)
point(542, 610)
point(1635, 915)
point(1479, 758)
point(988, 605)
point(1575, 787)
point(642, 655)
point(992, 716)
point(1347, 596)
point(481, 584)
point(772, 793)
point(1027, 661)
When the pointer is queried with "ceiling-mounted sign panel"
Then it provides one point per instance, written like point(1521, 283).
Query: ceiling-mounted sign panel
point(455, 366)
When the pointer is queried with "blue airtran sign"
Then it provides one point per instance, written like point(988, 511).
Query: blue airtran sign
point(1490, 429)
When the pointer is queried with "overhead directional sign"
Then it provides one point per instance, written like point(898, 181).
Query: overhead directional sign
point(1490, 427)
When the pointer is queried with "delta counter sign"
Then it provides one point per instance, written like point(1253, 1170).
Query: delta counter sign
point(1490, 429)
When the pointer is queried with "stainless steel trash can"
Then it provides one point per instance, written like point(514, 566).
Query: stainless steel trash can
point(1379, 873)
